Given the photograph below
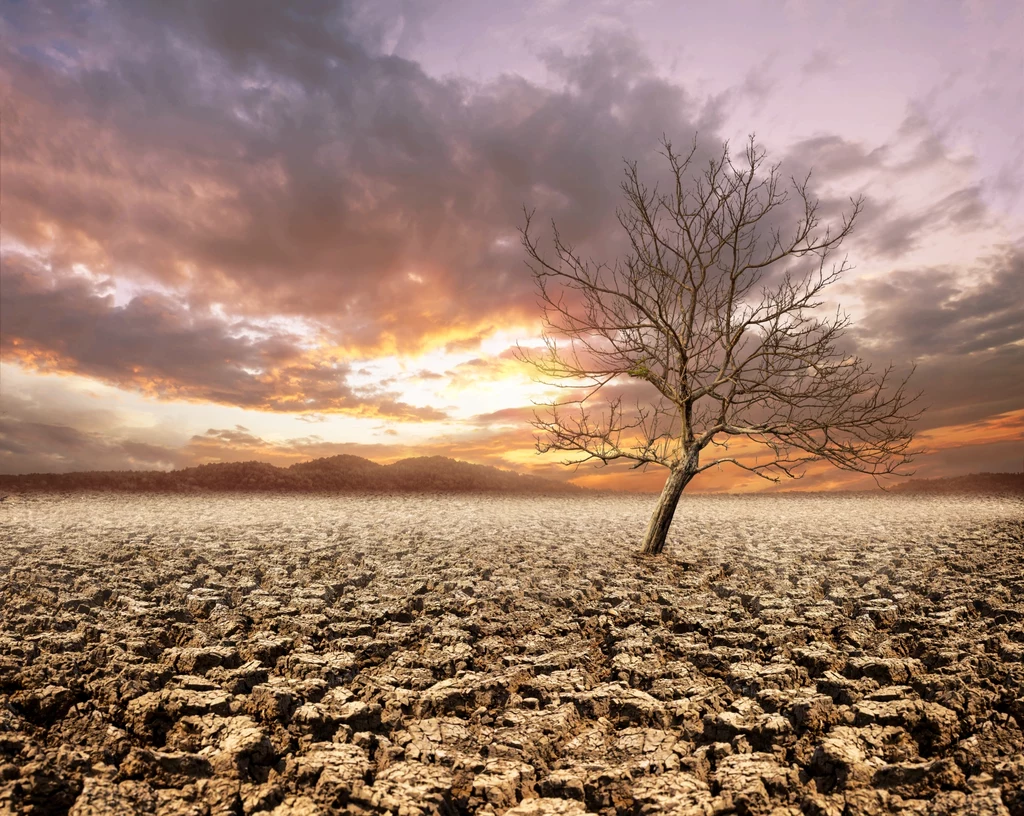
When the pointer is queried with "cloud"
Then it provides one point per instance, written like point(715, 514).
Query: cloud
point(915, 188)
point(238, 202)
point(59, 424)
point(941, 312)
point(819, 62)
point(520, 416)
point(274, 162)
point(966, 332)
point(760, 82)
point(834, 157)
point(264, 164)
point(468, 343)
point(424, 374)
point(40, 447)
point(156, 344)
point(238, 437)
point(31, 441)
point(882, 233)
point(489, 446)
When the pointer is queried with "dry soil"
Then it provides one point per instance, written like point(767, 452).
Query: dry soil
point(433, 655)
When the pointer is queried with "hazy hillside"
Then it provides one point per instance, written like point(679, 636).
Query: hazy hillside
point(974, 483)
point(342, 474)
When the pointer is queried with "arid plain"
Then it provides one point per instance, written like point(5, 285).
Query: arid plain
point(815, 654)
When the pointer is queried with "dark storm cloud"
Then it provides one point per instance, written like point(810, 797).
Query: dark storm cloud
point(966, 333)
point(156, 344)
point(265, 156)
point(941, 312)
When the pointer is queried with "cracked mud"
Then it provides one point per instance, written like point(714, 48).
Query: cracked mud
point(435, 655)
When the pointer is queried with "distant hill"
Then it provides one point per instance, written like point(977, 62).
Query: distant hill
point(335, 474)
point(975, 483)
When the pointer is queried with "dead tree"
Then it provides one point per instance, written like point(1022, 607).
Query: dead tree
point(717, 309)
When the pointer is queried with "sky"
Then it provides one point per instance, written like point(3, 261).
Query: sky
point(246, 229)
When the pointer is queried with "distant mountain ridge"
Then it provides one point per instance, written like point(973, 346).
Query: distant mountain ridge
point(974, 483)
point(334, 474)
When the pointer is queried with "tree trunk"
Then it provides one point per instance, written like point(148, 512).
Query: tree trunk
point(657, 530)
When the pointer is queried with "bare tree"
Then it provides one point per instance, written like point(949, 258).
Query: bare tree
point(717, 308)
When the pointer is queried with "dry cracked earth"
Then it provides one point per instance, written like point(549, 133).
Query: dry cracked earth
point(450, 655)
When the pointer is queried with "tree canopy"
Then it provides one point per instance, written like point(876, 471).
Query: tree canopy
point(717, 308)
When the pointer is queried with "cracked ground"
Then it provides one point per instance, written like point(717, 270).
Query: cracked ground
point(445, 655)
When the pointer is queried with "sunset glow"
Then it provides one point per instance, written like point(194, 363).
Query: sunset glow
point(233, 235)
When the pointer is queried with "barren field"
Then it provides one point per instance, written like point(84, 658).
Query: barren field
point(418, 655)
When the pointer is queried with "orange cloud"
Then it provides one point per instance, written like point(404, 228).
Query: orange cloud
point(157, 345)
point(1006, 427)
